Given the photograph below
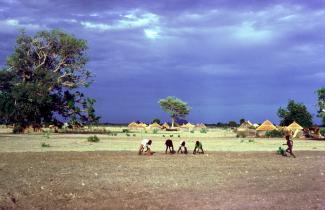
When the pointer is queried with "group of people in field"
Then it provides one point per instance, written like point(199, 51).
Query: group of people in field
point(145, 147)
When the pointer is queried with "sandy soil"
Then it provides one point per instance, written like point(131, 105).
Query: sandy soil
point(124, 180)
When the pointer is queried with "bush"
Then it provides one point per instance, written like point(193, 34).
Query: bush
point(125, 131)
point(155, 131)
point(179, 136)
point(251, 140)
point(134, 135)
point(322, 131)
point(192, 131)
point(171, 135)
point(93, 139)
point(273, 134)
point(18, 129)
point(46, 134)
point(45, 145)
point(127, 134)
point(163, 135)
point(203, 130)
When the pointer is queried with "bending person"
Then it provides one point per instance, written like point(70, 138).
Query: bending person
point(145, 147)
point(182, 148)
point(198, 147)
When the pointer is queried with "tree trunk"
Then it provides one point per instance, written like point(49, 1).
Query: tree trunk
point(173, 121)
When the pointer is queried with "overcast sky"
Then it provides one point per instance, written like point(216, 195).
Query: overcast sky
point(227, 59)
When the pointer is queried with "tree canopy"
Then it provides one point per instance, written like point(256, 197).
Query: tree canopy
point(321, 104)
point(42, 80)
point(175, 107)
point(295, 112)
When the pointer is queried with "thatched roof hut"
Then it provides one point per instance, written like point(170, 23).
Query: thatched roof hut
point(295, 126)
point(154, 126)
point(165, 126)
point(200, 125)
point(187, 126)
point(266, 126)
point(246, 124)
point(133, 125)
point(142, 126)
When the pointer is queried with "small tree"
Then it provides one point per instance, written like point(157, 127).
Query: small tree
point(295, 112)
point(321, 104)
point(175, 107)
point(232, 124)
point(156, 120)
point(241, 121)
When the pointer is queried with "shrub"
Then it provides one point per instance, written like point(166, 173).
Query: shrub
point(125, 131)
point(241, 141)
point(192, 131)
point(251, 140)
point(273, 134)
point(179, 136)
point(322, 131)
point(203, 130)
point(18, 129)
point(155, 131)
point(46, 134)
point(127, 134)
point(45, 145)
point(163, 135)
point(171, 135)
point(134, 135)
point(93, 139)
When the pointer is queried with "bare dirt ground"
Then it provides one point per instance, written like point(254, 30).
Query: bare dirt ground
point(124, 180)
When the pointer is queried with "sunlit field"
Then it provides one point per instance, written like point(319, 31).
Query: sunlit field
point(234, 173)
point(214, 140)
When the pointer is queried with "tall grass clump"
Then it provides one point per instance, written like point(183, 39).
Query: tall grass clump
point(93, 139)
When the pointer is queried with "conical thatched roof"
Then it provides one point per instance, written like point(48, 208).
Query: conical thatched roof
point(142, 125)
point(295, 126)
point(133, 125)
point(165, 125)
point(154, 125)
point(201, 125)
point(246, 124)
point(266, 126)
point(188, 125)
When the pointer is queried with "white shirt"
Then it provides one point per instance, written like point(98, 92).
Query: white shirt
point(144, 143)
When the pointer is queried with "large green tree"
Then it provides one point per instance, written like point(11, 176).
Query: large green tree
point(321, 104)
point(175, 107)
point(42, 80)
point(295, 112)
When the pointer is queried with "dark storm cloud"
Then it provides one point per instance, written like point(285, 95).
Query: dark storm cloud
point(228, 59)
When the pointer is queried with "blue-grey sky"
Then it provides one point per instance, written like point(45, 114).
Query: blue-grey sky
point(227, 59)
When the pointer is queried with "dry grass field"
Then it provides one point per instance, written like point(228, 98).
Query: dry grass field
point(233, 174)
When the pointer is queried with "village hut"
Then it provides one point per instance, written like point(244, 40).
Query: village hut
point(165, 126)
point(154, 126)
point(187, 127)
point(246, 125)
point(264, 127)
point(256, 125)
point(295, 126)
point(246, 129)
point(142, 126)
point(133, 126)
point(296, 129)
point(200, 126)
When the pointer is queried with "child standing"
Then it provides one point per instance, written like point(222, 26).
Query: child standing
point(290, 146)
